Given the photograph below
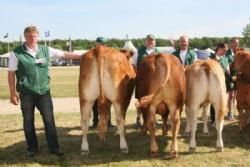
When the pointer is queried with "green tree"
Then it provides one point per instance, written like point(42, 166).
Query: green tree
point(246, 31)
point(246, 34)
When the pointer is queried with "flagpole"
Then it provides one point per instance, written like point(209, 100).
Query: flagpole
point(8, 46)
point(6, 36)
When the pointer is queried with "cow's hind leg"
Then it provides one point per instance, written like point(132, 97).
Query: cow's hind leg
point(193, 112)
point(219, 118)
point(165, 125)
point(175, 121)
point(188, 128)
point(206, 109)
point(120, 121)
point(85, 107)
point(241, 117)
point(151, 126)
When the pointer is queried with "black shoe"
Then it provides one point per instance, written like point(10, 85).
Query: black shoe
point(31, 153)
point(57, 152)
point(111, 125)
point(93, 126)
point(138, 122)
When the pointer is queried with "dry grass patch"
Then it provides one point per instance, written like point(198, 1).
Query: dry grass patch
point(12, 145)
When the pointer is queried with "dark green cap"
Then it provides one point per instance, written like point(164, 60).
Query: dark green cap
point(101, 40)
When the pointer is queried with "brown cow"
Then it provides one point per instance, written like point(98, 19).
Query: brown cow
point(105, 73)
point(205, 85)
point(161, 80)
point(242, 65)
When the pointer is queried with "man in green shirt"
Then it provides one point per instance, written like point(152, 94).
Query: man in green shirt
point(29, 76)
point(185, 55)
point(141, 53)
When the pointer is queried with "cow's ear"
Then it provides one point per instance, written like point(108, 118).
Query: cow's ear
point(131, 53)
point(127, 53)
point(240, 49)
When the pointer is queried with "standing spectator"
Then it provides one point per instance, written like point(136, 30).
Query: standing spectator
point(142, 52)
point(186, 55)
point(220, 57)
point(231, 84)
point(99, 41)
point(29, 70)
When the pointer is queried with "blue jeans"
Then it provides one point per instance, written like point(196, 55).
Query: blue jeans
point(45, 106)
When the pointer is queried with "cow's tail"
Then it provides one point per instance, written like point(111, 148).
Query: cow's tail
point(100, 67)
point(146, 100)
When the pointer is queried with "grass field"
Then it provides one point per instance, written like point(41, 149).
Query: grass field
point(12, 143)
point(62, 78)
point(12, 146)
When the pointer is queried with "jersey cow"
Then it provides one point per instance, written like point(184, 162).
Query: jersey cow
point(107, 75)
point(161, 84)
point(205, 86)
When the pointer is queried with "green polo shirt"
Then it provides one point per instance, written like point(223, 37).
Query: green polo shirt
point(32, 73)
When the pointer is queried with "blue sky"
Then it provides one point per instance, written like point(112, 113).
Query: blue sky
point(82, 19)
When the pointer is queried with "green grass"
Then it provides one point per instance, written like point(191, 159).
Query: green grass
point(12, 146)
point(62, 78)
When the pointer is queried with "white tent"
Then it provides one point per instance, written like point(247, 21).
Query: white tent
point(4, 59)
point(166, 49)
point(7, 55)
point(203, 54)
point(129, 46)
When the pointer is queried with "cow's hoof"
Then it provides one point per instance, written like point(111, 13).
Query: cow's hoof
point(205, 134)
point(124, 150)
point(187, 134)
point(155, 154)
point(143, 131)
point(164, 133)
point(102, 138)
point(219, 149)
point(85, 152)
point(173, 154)
point(192, 149)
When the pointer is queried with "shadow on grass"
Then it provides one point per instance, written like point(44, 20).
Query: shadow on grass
point(230, 135)
point(108, 151)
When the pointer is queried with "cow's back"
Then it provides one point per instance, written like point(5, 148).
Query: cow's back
point(154, 70)
point(205, 82)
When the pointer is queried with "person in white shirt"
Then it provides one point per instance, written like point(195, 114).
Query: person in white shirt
point(141, 53)
point(184, 54)
point(28, 77)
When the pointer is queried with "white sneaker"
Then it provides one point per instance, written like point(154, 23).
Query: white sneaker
point(213, 124)
point(230, 116)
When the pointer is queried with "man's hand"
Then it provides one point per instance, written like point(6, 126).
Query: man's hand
point(14, 99)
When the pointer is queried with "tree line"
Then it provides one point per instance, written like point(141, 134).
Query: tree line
point(84, 44)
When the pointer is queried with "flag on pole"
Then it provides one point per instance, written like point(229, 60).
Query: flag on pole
point(6, 35)
point(21, 38)
point(70, 45)
point(47, 34)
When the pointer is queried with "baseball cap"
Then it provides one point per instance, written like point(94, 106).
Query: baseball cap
point(150, 36)
point(101, 40)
